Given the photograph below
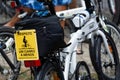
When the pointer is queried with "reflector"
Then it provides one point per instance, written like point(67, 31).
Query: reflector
point(13, 4)
point(32, 63)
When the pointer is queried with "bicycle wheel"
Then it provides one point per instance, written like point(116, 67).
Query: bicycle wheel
point(6, 12)
point(82, 71)
point(110, 9)
point(114, 9)
point(101, 60)
point(6, 73)
point(50, 71)
point(114, 31)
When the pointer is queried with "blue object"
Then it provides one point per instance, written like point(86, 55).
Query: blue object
point(34, 4)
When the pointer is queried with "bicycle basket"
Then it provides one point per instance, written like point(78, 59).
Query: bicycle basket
point(50, 35)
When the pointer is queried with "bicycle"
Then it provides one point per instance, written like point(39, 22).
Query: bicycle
point(101, 61)
point(9, 65)
point(70, 53)
point(114, 32)
point(101, 24)
point(6, 11)
point(9, 32)
point(111, 8)
point(51, 65)
point(111, 28)
point(69, 66)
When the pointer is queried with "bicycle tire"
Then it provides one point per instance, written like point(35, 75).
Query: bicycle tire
point(114, 31)
point(98, 64)
point(84, 74)
point(6, 29)
point(107, 11)
point(6, 72)
point(50, 71)
point(114, 9)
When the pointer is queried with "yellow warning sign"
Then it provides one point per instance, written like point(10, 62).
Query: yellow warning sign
point(26, 45)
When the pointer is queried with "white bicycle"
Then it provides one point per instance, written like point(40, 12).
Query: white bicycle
point(103, 53)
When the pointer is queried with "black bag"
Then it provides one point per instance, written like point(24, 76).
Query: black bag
point(50, 35)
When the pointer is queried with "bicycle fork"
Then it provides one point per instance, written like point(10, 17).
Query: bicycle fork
point(99, 32)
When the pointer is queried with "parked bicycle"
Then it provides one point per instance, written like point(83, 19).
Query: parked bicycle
point(111, 28)
point(6, 11)
point(65, 58)
point(9, 65)
point(86, 31)
point(110, 9)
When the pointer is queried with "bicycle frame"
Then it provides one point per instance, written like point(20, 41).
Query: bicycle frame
point(87, 31)
point(78, 37)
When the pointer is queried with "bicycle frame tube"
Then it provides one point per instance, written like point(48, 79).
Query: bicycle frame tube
point(7, 60)
point(106, 44)
point(70, 13)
